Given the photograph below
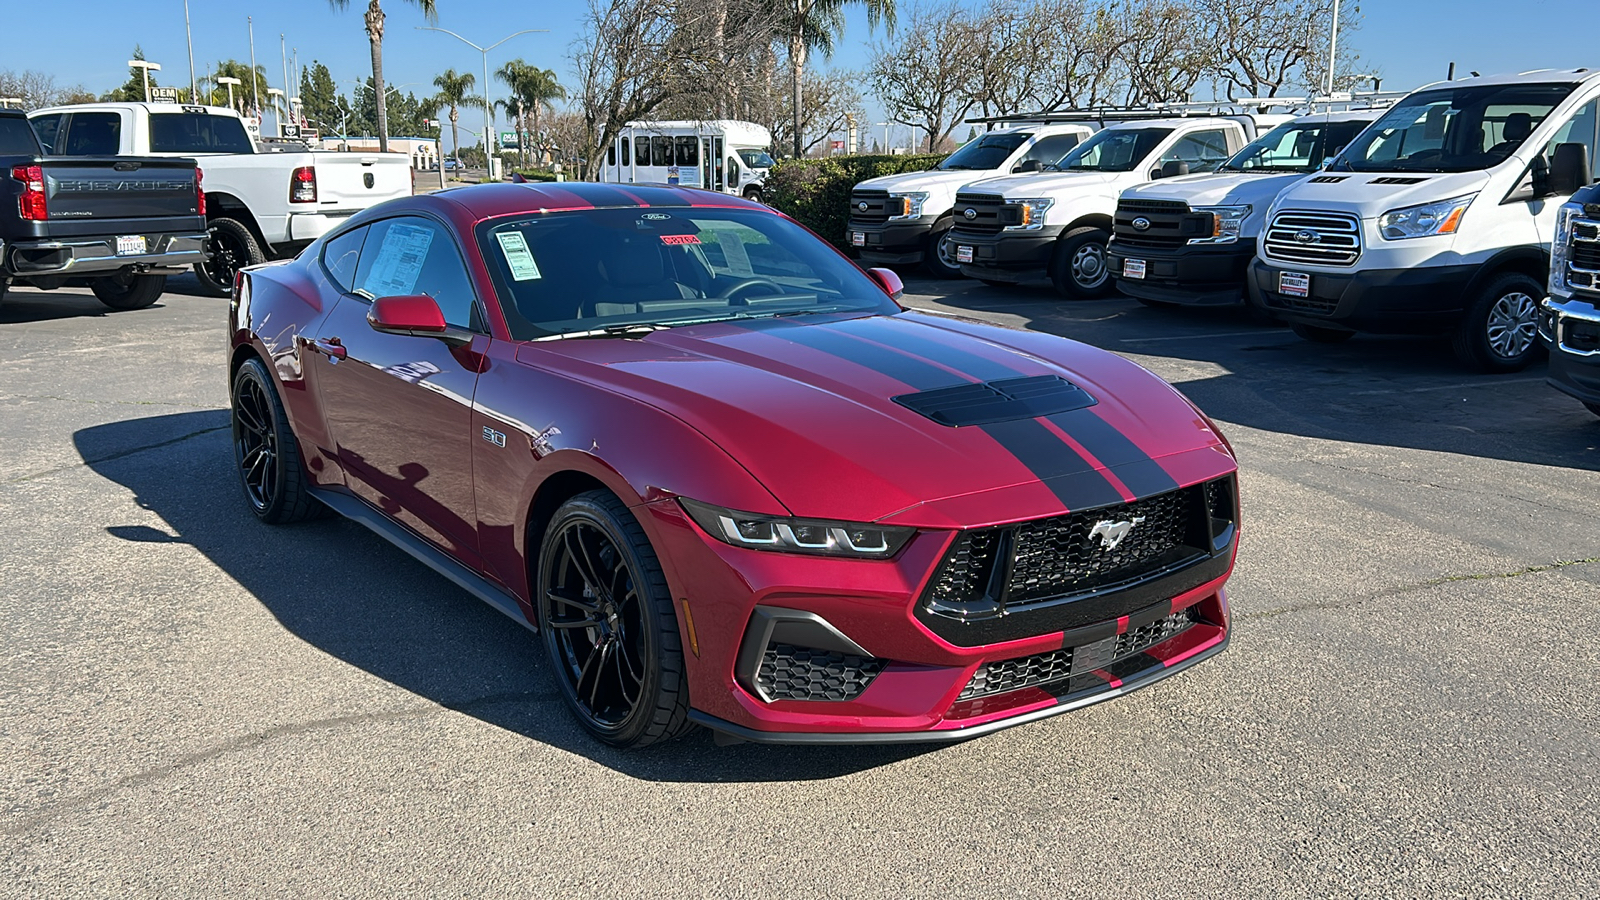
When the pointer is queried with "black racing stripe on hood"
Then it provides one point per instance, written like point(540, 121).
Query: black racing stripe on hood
point(980, 368)
point(905, 369)
point(1134, 467)
point(1076, 483)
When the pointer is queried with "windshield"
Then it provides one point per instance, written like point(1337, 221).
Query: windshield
point(986, 153)
point(1299, 146)
point(1119, 150)
point(581, 271)
point(756, 159)
point(1453, 129)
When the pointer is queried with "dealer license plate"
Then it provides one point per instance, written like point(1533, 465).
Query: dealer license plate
point(963, 254)
point(857, 239)
point(1133, 268)
point(1294, 284)
point(131, 245)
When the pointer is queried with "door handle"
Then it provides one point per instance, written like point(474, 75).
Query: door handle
point(331, 346)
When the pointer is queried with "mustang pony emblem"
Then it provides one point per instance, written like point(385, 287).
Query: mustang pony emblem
point(1111, 533)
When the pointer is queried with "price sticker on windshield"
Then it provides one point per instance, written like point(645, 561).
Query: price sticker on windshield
point(515, 248)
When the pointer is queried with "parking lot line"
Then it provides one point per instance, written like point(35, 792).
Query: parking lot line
point(1196, 337)
point(1449, 387)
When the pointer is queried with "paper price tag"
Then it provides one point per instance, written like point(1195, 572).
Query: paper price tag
point(515, 248)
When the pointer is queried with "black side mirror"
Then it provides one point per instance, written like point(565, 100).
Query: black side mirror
point(1028, 165)
point(1569, 169)
point(1172, 168)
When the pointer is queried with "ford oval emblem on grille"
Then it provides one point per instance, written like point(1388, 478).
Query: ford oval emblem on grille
point(367, 179)
point(969, 213)
point(862, 206)
point(1141, 224)
point(1307, 237)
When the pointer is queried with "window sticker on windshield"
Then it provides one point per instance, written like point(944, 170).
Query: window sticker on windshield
point(733, 252)
point(515, 248)
point(679, 240)
point(400, 259)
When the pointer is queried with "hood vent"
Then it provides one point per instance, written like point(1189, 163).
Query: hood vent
point(998, 401)
point(1395, 179)
point(1328, 179)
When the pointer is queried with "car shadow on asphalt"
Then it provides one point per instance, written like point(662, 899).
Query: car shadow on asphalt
point(44, 306)
point(350, 594)
point(1394, 391)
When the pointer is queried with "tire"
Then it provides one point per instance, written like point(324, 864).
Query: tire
point(753, 196)
point(593, 637)
point(1319, 335)
point(1592, 407)
point(233, 247)
point(1078, 269)
point(124, 292)
point(5, 285)
point(265, 452)
point(933, 258)
point(1499, 332)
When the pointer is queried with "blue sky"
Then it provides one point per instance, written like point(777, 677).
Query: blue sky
point(1409, 41)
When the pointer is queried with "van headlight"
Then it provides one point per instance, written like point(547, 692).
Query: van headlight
point(907, 205)
point(1561, 249)
point(1424, 221)
point(756, 531)
point(1030, 213)
point(1225, 223)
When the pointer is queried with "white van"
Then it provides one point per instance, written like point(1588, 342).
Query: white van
point(720, 155)
point(1438, 218)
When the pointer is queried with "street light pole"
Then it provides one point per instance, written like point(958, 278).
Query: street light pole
point(146, 65)
point(255, 82)
point(194, 95)
point(488, 114)
point(230, 81)
point(1333, 45)
point(277, 113)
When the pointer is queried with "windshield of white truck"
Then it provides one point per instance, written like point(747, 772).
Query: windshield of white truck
point(986, 153)
point(756, 159)
point(1300, 146)
point(1114, 150)
point(198, 133)
point(1463, 129)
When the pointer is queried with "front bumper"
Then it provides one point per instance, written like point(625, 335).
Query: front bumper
point(890, 243)
point(1571, 329)
point(1423, 300)
point(745, 612)
point(1007, 255)
point(1197, 275)
point(88, 256)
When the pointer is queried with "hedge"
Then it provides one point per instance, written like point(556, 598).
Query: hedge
point(816, 192)
point(532, 174)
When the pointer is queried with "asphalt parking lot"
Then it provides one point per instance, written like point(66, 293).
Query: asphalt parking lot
point(194, 704)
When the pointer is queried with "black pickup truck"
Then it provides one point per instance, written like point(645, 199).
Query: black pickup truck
point(118, 224)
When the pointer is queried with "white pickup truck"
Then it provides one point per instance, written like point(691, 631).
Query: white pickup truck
point(259, 206)
point(900, 219)
point(1057, 223)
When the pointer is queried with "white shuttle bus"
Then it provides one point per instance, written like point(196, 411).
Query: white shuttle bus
point(720, 155)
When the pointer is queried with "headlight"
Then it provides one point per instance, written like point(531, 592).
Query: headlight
point(1225, 223)
point(1561, 249)
point(907, 205)
point(1423, 221)
point(762, 532)
point(1031, 213)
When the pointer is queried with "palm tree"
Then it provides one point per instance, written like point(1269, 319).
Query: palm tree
point(813, 25)
point(374, 20)
point(532, 88)
point(453, 90)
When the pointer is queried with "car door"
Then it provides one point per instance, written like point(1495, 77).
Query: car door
point(398, 408)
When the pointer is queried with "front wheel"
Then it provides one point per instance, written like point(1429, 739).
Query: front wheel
point(232, 247)
point(1500, 331)
point(939, 259)
point(123, 292)
point(1079, 269)
point(609, 629)
point(753, 195)
point(1319, 335)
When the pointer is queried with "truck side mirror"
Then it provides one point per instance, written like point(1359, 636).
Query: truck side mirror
point(1028, 165)
point(1569, 169)
point(1172, 168)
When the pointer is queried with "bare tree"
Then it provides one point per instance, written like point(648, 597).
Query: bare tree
point(1087, 37)
point(1166, 50)
point(829, 101)
point(36, 89)
point(923, 75)
point(1348, 71)
point(1274, 44)
point(1002, 79)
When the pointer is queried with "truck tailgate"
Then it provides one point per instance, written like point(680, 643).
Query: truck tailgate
point(355, 181)
point(121, 188)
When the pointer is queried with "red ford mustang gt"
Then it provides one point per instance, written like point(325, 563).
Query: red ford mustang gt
point(726, 478)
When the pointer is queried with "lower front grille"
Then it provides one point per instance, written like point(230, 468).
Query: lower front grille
point(802, 673)
point(1317, 305)
point(1044, 669)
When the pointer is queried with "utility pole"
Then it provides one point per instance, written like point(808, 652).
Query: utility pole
point(255, 82)
point(1333, 46)
point(194, 95)
point(283, 58)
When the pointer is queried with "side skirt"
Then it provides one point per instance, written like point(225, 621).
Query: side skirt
point(357, 510)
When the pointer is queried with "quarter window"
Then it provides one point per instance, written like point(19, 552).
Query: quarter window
point(341, 255)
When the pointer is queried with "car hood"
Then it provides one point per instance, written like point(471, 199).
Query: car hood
point(1224, 189)
point(1368, 195)
point(808, 406)
point(921, 181)
point(1041, 184)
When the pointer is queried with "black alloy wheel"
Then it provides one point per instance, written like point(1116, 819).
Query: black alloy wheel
point(231, 247)
point(609, 628)
point(265, 452)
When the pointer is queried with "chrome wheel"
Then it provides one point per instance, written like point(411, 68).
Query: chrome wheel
point(255, 444)
point(1512, 325)
point(1089, 266)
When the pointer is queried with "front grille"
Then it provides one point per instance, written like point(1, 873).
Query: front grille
point(877, 207)
point(1322, 306)
point(1327, 239)
point(1583, 262)
point(802, 673)
point(1056, 666)
point(1166, 224)
point(1063, 561)
point(988, 213)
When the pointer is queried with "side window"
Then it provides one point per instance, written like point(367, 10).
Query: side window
point(661, 151)
point(688, 151)
point(1581, 129)
point(410, 255)
point(48, 128)
point(611, 155)
point(340, 256)
point(1050, 150)
point(625, 152)
point(93, 134)
point(1203, 150)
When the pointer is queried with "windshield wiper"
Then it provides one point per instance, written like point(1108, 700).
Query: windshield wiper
point(608, 331)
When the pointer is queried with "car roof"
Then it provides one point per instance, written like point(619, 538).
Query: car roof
point(1536, 76)
point(487, 201)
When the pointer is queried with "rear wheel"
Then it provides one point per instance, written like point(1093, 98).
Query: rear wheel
point(609, 629)
point(1319, 335)
point(753, 195)
point(1079, 268)
point(938, 259)
point(232, 248)
point(128, 291)
point(265, 452)
point(1500, 331)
